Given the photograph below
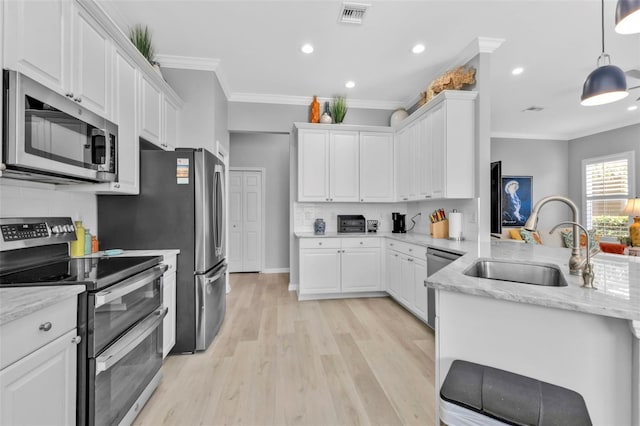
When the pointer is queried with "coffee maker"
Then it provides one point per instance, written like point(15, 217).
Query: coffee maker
point(398, 223)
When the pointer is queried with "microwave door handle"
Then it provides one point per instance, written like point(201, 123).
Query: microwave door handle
point(129, 341)
point(129, 285)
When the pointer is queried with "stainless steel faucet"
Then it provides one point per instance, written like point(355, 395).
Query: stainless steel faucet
point(587, 270)
point(575, 261)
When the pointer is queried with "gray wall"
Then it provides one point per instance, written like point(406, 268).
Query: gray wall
point(270, 151)
point(605, 143)
point(203, 118)
point(272, 118)
point(546, 161)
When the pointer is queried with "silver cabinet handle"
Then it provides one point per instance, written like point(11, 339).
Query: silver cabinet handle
point(129, 285)
point(129, 341)
point(76, 340)
point(410, 259)
point(116, 185)
point(45, 327)
point(69, 94)
point(361, 242)
point(78, 100)
point(427, 196)
point(320, 243)
point(410, 249)
point(362, 199)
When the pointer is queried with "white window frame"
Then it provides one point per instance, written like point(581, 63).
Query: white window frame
point(631, 177)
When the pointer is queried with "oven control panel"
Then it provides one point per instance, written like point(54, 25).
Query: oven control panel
point(28, 232)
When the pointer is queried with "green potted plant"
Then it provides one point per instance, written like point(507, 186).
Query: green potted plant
point(141, 39)
point(339, 109)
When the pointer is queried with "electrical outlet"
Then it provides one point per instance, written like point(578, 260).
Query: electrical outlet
point(473, 218)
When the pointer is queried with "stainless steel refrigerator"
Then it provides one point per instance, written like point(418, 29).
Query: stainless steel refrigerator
point(180, 206)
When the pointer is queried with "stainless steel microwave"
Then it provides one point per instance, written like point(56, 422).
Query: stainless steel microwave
point(48, 137)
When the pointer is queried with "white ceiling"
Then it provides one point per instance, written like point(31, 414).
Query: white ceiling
point(256, 46)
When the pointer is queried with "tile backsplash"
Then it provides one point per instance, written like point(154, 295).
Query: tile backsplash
point(306, 213)
point(26, 199)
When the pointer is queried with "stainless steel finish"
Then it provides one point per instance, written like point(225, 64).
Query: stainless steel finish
point(575, 261)
point(76, 340)
point(544, 274)
point(26, 166)
point(45, 327)
point(587, 269)
point(53, 238)
point(219, 236)
point(129, 341)
point(129, 285)
point(206, 312)
point(142, 400)
point(436, 260)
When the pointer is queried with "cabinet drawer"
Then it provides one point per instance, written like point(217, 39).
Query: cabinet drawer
point(360, 242)
point(25, 335)
point(320, 243)
point(408, 249)
point(172, 263)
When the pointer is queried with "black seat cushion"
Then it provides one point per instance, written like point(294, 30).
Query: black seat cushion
point(512, 398)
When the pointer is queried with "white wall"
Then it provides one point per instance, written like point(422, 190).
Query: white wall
point(26, 199)
point(546, 161)
point(270, 151)
point(605, 143)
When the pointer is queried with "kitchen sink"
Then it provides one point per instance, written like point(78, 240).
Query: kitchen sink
point(518, 272)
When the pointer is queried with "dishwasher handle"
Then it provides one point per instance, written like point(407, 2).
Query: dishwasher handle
point(443, 254)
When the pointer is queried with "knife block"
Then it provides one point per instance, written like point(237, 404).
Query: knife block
point(439, 229)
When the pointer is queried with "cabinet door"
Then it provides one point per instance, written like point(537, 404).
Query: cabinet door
point(169, 302)
point(344, 171)
point(170, 131)
point(393, 273)
point(424, 158)
point(36, 40)
point(150, 111)
point(420, 302)
point(91, 63)
point(313, 165)
point(360, 269)
point(125, 113)
point(458, 155)
point(40, 388)
point(407, 279)
point(405, 165)
point(319, 271)
point(377, 181)
point(438, 141)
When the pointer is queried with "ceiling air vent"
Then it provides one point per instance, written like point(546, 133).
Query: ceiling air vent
point(352, 13)
point(533, 109)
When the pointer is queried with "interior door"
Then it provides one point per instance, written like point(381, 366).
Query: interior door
point(245, 221)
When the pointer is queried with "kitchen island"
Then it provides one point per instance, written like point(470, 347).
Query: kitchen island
point(585, 340)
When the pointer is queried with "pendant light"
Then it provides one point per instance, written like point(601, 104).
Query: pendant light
point(606, 83)
point(628, 17)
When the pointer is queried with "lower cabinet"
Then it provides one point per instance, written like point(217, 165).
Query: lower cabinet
point(339, 265)
point(169, 302)
point(406, 272)
point(38, 367)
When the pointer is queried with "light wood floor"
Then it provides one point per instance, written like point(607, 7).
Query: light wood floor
point(277, 361)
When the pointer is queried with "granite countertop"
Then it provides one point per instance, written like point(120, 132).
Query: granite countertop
point(17, 302)
point(130, 253)
point(617, 279)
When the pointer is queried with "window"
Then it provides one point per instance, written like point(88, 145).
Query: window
point(607, 185)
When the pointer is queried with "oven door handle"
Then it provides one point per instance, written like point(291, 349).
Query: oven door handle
point(129, 285)
point(129, 341)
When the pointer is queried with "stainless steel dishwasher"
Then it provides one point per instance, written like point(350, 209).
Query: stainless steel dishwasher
point(436, 260)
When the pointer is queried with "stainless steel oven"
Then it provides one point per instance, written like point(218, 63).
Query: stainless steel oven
point(51, 138)
point(119, 316)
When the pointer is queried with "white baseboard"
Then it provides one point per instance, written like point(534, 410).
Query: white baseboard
point(275, 271)
point(293, 287)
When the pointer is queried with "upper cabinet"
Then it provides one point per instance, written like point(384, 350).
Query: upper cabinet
point(342, 164)
point(60, 45)
point(150, 110)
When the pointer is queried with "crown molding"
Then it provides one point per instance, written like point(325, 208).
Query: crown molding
point(305, 100)
point(197, 64)
point(489, 44)
point(532, 136)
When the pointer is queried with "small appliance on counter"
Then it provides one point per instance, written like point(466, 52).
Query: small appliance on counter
point(372, 226)
point(351, 224)
point(399, 226)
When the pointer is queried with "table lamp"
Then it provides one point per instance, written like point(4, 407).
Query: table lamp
point(633, 209)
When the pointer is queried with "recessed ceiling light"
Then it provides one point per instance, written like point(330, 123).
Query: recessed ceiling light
point(517, 71)
point(307, 48)
point(350, 85)
point(418, 48)
point(632, 108)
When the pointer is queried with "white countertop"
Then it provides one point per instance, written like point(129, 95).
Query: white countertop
point(617, 277)
point(17, 302)
point(130, 253)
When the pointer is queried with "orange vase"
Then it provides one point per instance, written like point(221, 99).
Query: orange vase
point(314, 115)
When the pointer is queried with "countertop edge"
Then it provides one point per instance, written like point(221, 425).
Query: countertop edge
point(18, 302)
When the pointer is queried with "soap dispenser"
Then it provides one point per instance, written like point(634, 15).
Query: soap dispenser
point(77, 246)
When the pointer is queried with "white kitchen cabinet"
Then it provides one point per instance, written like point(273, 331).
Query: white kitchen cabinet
point(393, 273)
point(38, 367)
point(420, 296)
point(406, 272)
point(404, 150)
point(69, 52)
point(376, 167)
point(170, 124)
point(313, 165)
point(344, 175)
point(150, 110)
point(424, 159)
point(169, 302)
point(339, 266)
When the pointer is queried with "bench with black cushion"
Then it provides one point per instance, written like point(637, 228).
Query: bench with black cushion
point(491, 393)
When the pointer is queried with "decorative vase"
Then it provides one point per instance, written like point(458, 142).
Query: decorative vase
point(318, 227)
point(634, 232)
point(326, 118)
point(397, 116)
point(314, 116)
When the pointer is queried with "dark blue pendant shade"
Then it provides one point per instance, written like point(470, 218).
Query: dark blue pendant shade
point(629, 11)
point(607, 79)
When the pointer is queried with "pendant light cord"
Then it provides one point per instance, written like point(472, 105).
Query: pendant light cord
point(602, 19)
